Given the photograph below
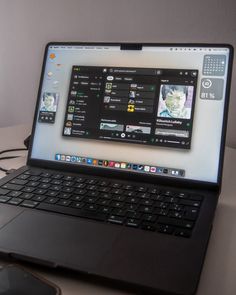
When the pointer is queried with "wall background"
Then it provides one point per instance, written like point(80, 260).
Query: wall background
point(27, 25)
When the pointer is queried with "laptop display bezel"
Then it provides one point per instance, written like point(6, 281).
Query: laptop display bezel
point(164, 180)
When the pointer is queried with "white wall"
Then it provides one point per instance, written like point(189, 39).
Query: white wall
point(27, 25)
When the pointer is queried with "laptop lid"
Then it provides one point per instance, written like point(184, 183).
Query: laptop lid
point(150, 112)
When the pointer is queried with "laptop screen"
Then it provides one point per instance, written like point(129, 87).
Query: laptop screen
point(156, 111)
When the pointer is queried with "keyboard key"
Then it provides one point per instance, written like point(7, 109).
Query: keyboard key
point(4, 191)
point(4, 199)
point(28, 189)
point(141, 188)
point(18, 181)
point(132, 222)
point(117, 191)
point(117, 204)
point(27, 196)
point(29, 204)
point(105, 210)
point(68, 183)
point(104, 189)
point(132, 200)
point(23, 176)
point(55, 187)
point(64, 196)
point(103, 202)
point(57, 176)
point(103, 183)
point(80, 185)
point(91, 181)
point(14, 187)
point(64, 203)
point(38, 198)
point(46, 180)
point(80, 179)
point(44, 185)
point(68, 189)
point(147, 202)
point(77, 198)
point(182, 195)
point(90, 200)
point(80, 191)
point(92, 187)
point(93, 194)
point(14, 194)
point(68, 178)
point(15, 201)
point(116, 219)
point(52, 193)
point(56, 182)
point(77, 205)
point(131, 207)
point(106, 196)
point(130, 193)
point(51, 200)
point(92, 207)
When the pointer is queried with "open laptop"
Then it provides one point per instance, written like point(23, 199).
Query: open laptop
point(125, 163)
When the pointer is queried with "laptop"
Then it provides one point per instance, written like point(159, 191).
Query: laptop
point(125, 164)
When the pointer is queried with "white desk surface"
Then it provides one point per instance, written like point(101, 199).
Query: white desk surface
point(219, 270)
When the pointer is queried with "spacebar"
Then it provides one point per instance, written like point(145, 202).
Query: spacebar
point(72, 211)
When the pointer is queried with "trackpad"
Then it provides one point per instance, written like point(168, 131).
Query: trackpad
point(61, 240)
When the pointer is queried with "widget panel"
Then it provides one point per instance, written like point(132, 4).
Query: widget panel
point(48, 107)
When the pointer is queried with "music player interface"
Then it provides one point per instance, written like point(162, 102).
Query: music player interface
point(136, 105)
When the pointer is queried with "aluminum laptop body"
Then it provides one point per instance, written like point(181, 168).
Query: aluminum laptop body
point(125, 163)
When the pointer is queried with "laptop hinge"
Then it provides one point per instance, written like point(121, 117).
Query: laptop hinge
point(131, 46)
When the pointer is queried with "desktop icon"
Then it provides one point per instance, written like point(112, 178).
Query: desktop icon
point(117, 165)
point(123, 165)
point(52, 56)
point(58, 157)
point(89, 161)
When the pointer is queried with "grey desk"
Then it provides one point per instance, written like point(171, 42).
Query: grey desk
point(219, 271)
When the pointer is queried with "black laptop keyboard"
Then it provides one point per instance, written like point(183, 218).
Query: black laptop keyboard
point(145, 207)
